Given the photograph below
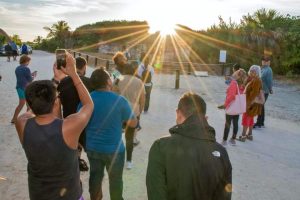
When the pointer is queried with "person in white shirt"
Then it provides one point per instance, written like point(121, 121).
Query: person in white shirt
point(146, 73)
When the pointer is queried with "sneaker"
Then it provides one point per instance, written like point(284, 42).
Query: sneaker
point(241, 138)
point(257, 125)
point(232, 142)
point(250, 137)
point(128, 165)
point(224, 142)
point(135, 142)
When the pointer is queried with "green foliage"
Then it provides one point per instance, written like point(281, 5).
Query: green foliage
point(265, 32)
point(16, 39)
point(2, 40)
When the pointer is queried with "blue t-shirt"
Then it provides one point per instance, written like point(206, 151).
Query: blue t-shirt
point(23, 76)
point(104, 130)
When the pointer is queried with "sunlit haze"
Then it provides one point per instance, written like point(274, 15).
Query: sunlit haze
point(27, 18)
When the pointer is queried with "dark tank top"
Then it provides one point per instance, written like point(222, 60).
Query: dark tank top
point(53, 171)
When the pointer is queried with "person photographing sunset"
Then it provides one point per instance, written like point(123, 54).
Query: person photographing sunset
point(50, 143)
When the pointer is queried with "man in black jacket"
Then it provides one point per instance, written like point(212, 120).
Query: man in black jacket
point(189, 164)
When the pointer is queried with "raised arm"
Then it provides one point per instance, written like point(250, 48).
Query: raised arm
point(74, 124)
point(20, 124)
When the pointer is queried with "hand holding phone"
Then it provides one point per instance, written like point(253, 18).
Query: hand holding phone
point(33, 74)
point(61, 56)
point(70, 68)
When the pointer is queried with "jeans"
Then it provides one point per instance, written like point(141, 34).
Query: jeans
point(114, 164)
point(261, 118)
point(129, 135)
point(235, 121)
point(147, 101)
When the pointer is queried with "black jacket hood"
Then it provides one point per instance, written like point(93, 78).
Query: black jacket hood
point(195, 126)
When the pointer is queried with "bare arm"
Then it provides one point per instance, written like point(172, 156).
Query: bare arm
point(142, 99)
point(74, 124)
point(132, 123)
point(21, 122)
point(57, 108)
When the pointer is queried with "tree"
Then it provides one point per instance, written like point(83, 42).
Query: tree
point(59, 31)
point(263, 29)
point(16, 39)
point(2, 39)
point(38, 40)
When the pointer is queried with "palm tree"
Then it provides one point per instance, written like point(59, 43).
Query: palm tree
point(59, 31)
point(262, 29)
point(38, 40)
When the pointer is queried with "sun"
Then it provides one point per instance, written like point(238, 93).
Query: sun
point(164, 29)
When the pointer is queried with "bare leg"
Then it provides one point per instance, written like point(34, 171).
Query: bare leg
point(250, 130)
point(244, 130)
point(18, 110)
point(249, 136)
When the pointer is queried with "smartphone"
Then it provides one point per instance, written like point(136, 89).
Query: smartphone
point(61, 55)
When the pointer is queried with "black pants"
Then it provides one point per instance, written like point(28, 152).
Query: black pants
point(261, 118)
point(235, 122)
point(129, 135)
point(147, 101)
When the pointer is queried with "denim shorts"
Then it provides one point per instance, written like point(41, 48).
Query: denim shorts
point(21, 93)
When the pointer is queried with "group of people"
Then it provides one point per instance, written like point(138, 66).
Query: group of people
point(256, 87)
point(63, 117)
point(72, 113)
point(11, 50)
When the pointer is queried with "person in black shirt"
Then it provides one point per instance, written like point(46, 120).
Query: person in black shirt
point(69, 100)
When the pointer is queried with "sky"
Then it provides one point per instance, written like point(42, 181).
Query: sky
point(28, 17)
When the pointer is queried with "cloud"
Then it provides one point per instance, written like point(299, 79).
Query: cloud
point(16, 16)
point(28, 17)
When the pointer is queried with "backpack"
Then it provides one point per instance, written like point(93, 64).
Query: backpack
point(146, 76)
point(24, 49)
point(8, 48)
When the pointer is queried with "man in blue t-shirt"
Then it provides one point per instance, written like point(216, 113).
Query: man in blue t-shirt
point(104, 145)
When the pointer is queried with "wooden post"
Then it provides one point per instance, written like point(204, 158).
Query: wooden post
point(87, 58)
point(189, 69)
point(177, 79)
point(74, 53)
point(96, 60)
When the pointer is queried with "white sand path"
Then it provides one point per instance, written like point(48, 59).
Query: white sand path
point(267, 168)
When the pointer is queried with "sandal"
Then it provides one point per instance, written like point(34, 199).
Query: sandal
point(83, 165)
point(250, 137)
point(241, 138)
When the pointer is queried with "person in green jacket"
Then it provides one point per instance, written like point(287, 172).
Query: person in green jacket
point(189, 164)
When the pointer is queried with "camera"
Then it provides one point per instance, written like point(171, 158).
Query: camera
point(61, 55)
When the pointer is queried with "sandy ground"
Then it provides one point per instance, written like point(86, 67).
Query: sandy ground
point(267, 168)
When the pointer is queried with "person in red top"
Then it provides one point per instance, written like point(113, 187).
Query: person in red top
point(237, 82)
